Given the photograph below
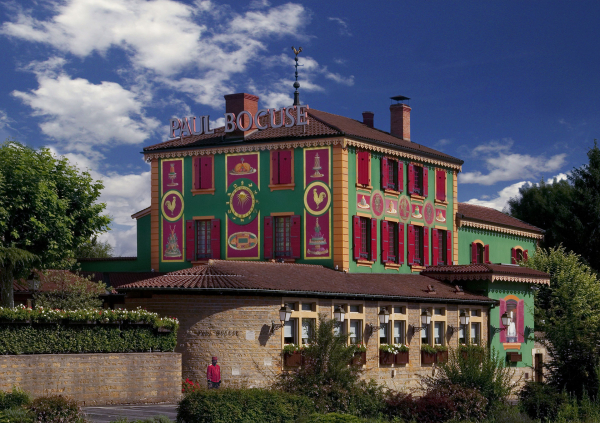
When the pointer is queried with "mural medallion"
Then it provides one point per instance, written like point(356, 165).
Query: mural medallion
point(242, 201)
point(172, 205)
point(440, 215)
point(404, 208)
point(377, 204)
point(317, 198)
point(391, 206)
point(429, 213)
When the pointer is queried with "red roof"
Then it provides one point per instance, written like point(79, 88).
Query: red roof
point(501, 272)
point(486, 214)
point(239, 276)
point(321, 124)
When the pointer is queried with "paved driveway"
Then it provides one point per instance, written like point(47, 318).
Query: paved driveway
point(110, 413)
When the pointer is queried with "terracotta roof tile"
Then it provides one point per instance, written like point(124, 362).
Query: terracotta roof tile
point(321, 124)
point(302, 278)
point(505, 272)
point(487, 214)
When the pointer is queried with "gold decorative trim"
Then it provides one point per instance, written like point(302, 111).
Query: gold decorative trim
point(344, 142)
point(496, 228)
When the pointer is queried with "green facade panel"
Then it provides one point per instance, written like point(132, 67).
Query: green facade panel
point(500, 244)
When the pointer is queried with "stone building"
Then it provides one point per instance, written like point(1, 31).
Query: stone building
point(302, 207)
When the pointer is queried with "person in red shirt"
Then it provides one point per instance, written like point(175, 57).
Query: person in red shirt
point(213, 375)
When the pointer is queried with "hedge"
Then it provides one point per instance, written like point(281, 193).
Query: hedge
point(38, 331)
point(242, 406)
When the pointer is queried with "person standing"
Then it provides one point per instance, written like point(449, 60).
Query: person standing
point(213, 375)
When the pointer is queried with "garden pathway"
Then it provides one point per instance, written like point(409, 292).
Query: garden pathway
point(109, 413)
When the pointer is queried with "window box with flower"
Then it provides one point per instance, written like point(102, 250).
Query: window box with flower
point(360, 355)
point(428, 354)
point(292, 355)
point(393, 353)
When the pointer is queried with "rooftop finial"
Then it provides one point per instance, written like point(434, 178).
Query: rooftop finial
point(297, 84)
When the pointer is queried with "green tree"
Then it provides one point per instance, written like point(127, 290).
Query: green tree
point(47, 206)
point(14, 263)
point(569, 211)
point(68, 291)
point(94, 249)
point(566, 312)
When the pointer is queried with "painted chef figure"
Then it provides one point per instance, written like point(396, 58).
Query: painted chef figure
point(213, 375)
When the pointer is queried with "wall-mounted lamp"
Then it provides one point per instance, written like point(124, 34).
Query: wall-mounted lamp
point(425, 321)
point(534, 288)
point(504, 323)
point(464, 320)
point(339, 314)
point(384, 319)
point(285, 313)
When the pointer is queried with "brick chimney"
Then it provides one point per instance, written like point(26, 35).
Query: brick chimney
point(236, 103)
point(368, 118)
point(400, 120)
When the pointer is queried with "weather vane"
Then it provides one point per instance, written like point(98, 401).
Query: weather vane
point(297, 84)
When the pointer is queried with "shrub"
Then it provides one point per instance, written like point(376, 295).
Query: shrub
point(242, 406)
point(541, 401)
point(16, 398)
point(56, 409)
point(485, 373)
point(16, 415)
point(330, 418)
point(505, 413)
point(328, 381)
point(156, 419)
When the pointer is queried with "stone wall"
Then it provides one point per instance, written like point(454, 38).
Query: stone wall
point(96, 379)
point(237, 330)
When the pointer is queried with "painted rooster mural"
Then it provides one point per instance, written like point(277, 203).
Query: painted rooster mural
point(171, 204)
point(318, 197)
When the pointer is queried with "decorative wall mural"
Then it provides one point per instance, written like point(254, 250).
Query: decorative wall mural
point(429, 213)
point(377, 204)
point(417, 211)
point(245, 165)
point(363, 201)
point(316, 165)
point(404, 209)
point(171, 208)
point(317, 198)
point(317, 203)
point(391, 206)
point(242, 201)
point(440, 215)
point(243, 240)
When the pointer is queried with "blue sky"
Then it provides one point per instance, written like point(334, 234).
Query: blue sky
point(510, 87)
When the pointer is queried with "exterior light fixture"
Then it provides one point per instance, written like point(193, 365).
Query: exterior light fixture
point(384, 319)
point(505, 320)
point(285, 312)
point(339, 314)
point(464, 320)
point(425, 321)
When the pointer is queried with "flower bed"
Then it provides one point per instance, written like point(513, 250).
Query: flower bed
point(43, 331)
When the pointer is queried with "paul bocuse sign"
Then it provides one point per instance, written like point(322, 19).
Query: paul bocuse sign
point(288, 117)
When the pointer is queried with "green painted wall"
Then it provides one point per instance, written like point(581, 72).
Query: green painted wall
point(378, 266)
point(500, 290)
point(269, 201)
point(500, 244)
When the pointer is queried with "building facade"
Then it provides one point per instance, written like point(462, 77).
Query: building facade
point(302, 207)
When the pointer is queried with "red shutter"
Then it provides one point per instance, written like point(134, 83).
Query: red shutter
point(449, 248)
point(513, 255)
point(384, 173)
point(357, 237)
point(197, 172)
point(268, 238)
point(400, 243)
point(384, 241)
point(473, 252)
point(521, 321)
point(435, 251)
point(400, 176)
point(295, 235)
point(426, 246)
point(525, 255)
point(206, 172)
point(411, 245)
point(368, 167)
point(444, 190)
point(274, 167)
point(285, 167)
point(363, 168)
point(486, 254)
point(440, 191)
point(411, 178)
point(215, 238)
point(373, 239)
point(190, 240)
point(425, 182)
point(499, 323)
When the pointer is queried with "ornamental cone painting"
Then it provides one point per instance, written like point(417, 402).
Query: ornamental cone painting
point(317, 242)
point(172, 246)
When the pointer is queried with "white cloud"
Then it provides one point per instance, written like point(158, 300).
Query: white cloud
point(82, 116)
point(503, 165)
point(4, 120)
point(259, 4)
point(344, 29)
point(340, 79)
point(124, 242)
point(442, 142)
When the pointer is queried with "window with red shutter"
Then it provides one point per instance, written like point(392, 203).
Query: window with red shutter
point(486, 254)
point(525, 255)
point(411, 178)
point(384, 241)
point(449, 248)
point(411, 245)
point(203, 240)
point(197, 173)
point(393, 242)
point(281, 167)
point(513, 255)
point(401, 243)
point(435, 247)
point(440, 185)
point(363, 168)
point(425, 183)
point(295, 236)
point(357, 237)
point(189, 240)
point(274, 167)
point(282, 236)
point(373, 239)
point(385, 173)
point(474, 253)
point(400, 186)
point(425, 246)
point(268, 238)
point(206, 172)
